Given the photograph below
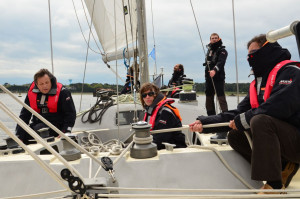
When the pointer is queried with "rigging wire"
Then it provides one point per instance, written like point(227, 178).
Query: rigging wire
point(49, 7)
point(117, 82)
point(198, 27)
point(87, 53)
point(125, 27)
point(102, 53)
point(82, 30)
point(154, 45)
point(133, 87)
point(236, 66)
point(217, 100)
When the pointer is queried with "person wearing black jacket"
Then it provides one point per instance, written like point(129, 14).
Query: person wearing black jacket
point(160, 114)
point(129, 82)
point(52, 101)
point(177, 76)
point(176, 81)
point(270, 117)
point(215, 79)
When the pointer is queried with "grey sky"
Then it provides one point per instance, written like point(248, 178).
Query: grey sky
point(25, 45)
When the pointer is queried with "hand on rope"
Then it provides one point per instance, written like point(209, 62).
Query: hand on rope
point(196, 126)
point(212, 73)
point(232, 125)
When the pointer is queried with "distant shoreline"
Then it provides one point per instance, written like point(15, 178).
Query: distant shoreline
point(230, 88)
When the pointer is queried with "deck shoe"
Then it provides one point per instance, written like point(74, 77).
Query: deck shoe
point(266, 186)
point(288, 173)
point(219, 138)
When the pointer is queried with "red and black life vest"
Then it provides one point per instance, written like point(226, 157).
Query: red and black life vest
point(52, 99)
point(163, 102)
point(175, 90)
point(269, 85)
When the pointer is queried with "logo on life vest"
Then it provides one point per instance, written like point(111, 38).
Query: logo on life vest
point(162, 121)
point(285, 82)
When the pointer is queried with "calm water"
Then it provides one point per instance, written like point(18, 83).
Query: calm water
point(87, 101)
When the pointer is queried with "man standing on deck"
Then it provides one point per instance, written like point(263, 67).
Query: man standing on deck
point(215, 80)
point(52, 101)
point(270, 113)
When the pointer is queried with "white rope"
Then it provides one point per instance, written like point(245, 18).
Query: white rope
point(144, 140)
point(198, 196)
point(197, 190)
point(208, 148)
point(184, 127)
point(117, 159)
point(36, 195)
point(249, 139)
point(224, 162)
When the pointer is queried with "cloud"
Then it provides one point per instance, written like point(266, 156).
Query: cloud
point(25, 37)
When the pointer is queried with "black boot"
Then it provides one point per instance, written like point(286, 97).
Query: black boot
point(210, 105)
point(219, 138)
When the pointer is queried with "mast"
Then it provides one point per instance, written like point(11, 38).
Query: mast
point(142, 41)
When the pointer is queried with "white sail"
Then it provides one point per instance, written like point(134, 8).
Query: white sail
point(113, 30)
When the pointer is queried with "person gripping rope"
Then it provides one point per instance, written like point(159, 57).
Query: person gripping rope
point(160, 114)
point(215, 79)
point(270, 113)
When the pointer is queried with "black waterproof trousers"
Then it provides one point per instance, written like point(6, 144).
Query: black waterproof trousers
point(274, 142)
point(210, 89)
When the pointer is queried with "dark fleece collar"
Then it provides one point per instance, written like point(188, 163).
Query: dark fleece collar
point(158, 98)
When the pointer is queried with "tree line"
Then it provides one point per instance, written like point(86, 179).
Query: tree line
point(89, 88)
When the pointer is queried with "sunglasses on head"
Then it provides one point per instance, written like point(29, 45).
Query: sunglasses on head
point(151, 93)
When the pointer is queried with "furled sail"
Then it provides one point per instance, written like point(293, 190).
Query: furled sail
point(113, 29)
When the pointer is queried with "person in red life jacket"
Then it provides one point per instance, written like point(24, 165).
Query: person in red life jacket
point(160, 114)
point(270, 113)
point(51, 100)
point(215, 80)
